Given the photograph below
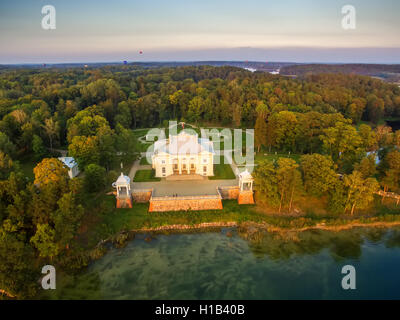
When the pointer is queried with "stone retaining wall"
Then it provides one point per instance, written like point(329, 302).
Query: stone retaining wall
point(124, 203)
point(194, 203)
point(229, 193)
point(142, 195)
point(246, 197)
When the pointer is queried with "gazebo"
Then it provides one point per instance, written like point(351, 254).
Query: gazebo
point(246, 181)
point(124, 196)
point(246, 188)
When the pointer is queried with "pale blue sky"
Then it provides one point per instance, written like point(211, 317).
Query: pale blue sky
point(262, 30)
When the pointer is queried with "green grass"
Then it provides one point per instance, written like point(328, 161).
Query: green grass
point(222, 171)
point(145, 176)
point(116, 166)
point(144, 162)
point(138, 217)
point(109, 221)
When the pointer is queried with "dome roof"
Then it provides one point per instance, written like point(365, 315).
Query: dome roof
point(245, 175)
point(123, 180)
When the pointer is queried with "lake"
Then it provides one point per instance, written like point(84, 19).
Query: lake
point(236, 264)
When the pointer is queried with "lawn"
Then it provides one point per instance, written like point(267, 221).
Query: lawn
point(145, 176)
point(222, 171)
point(138, 217)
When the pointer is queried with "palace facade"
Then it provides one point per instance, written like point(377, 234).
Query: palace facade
point(183, 154)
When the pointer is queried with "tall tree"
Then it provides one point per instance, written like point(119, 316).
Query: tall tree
point(288, 180)
point(51, 128)
point(318, 173)
point(360, 191)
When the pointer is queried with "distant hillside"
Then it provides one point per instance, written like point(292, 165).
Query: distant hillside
point(257, 65)
point(390, 73)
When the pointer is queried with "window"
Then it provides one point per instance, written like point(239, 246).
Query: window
point(163, 161)
point(204, 160)
point(163, 170)
point(205, 169)
point(192, 165)
point(184, 166)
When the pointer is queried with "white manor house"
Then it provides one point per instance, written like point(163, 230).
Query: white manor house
point(183, 154)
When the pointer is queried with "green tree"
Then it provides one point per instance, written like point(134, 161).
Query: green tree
point(267, 184)
point(6, 145)
point(391, 177)
point(38, 147)
point(18, 273)
point(67, 219)
point(94, 178)
point(342, 142)
point(367, 166)
point(318, 173)
point(6, 165)
point(44, 241)
point(288, 180)
point(52, 129)
point(85, 150)
point(360, 191)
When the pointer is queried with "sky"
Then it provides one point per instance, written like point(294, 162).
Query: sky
point(189, 30)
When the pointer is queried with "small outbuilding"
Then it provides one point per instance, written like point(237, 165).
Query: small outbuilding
point(123, 194)
point(246, 181)
point(72, 165)
point(246, 188)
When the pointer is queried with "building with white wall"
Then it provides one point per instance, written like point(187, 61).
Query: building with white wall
point(72, 166)
point(183, 154)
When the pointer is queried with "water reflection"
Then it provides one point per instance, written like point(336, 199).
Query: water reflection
point(243, 264)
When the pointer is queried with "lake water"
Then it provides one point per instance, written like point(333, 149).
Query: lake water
point(230, 264)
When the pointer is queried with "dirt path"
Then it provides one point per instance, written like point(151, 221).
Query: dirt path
point(134, 168)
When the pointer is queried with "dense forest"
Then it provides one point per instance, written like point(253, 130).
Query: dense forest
point(334, 122)
point(388, 72)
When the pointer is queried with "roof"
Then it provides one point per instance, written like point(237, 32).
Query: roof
point(184, 143)
point(245, 175)
point(68, 161)
point(122, 180)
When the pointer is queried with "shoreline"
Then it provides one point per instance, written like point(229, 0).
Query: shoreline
point(268, 227)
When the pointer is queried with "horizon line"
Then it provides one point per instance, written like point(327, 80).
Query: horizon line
point(192, 61)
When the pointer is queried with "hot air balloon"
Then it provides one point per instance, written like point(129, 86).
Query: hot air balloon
point(141, 52)
point(125, 62)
